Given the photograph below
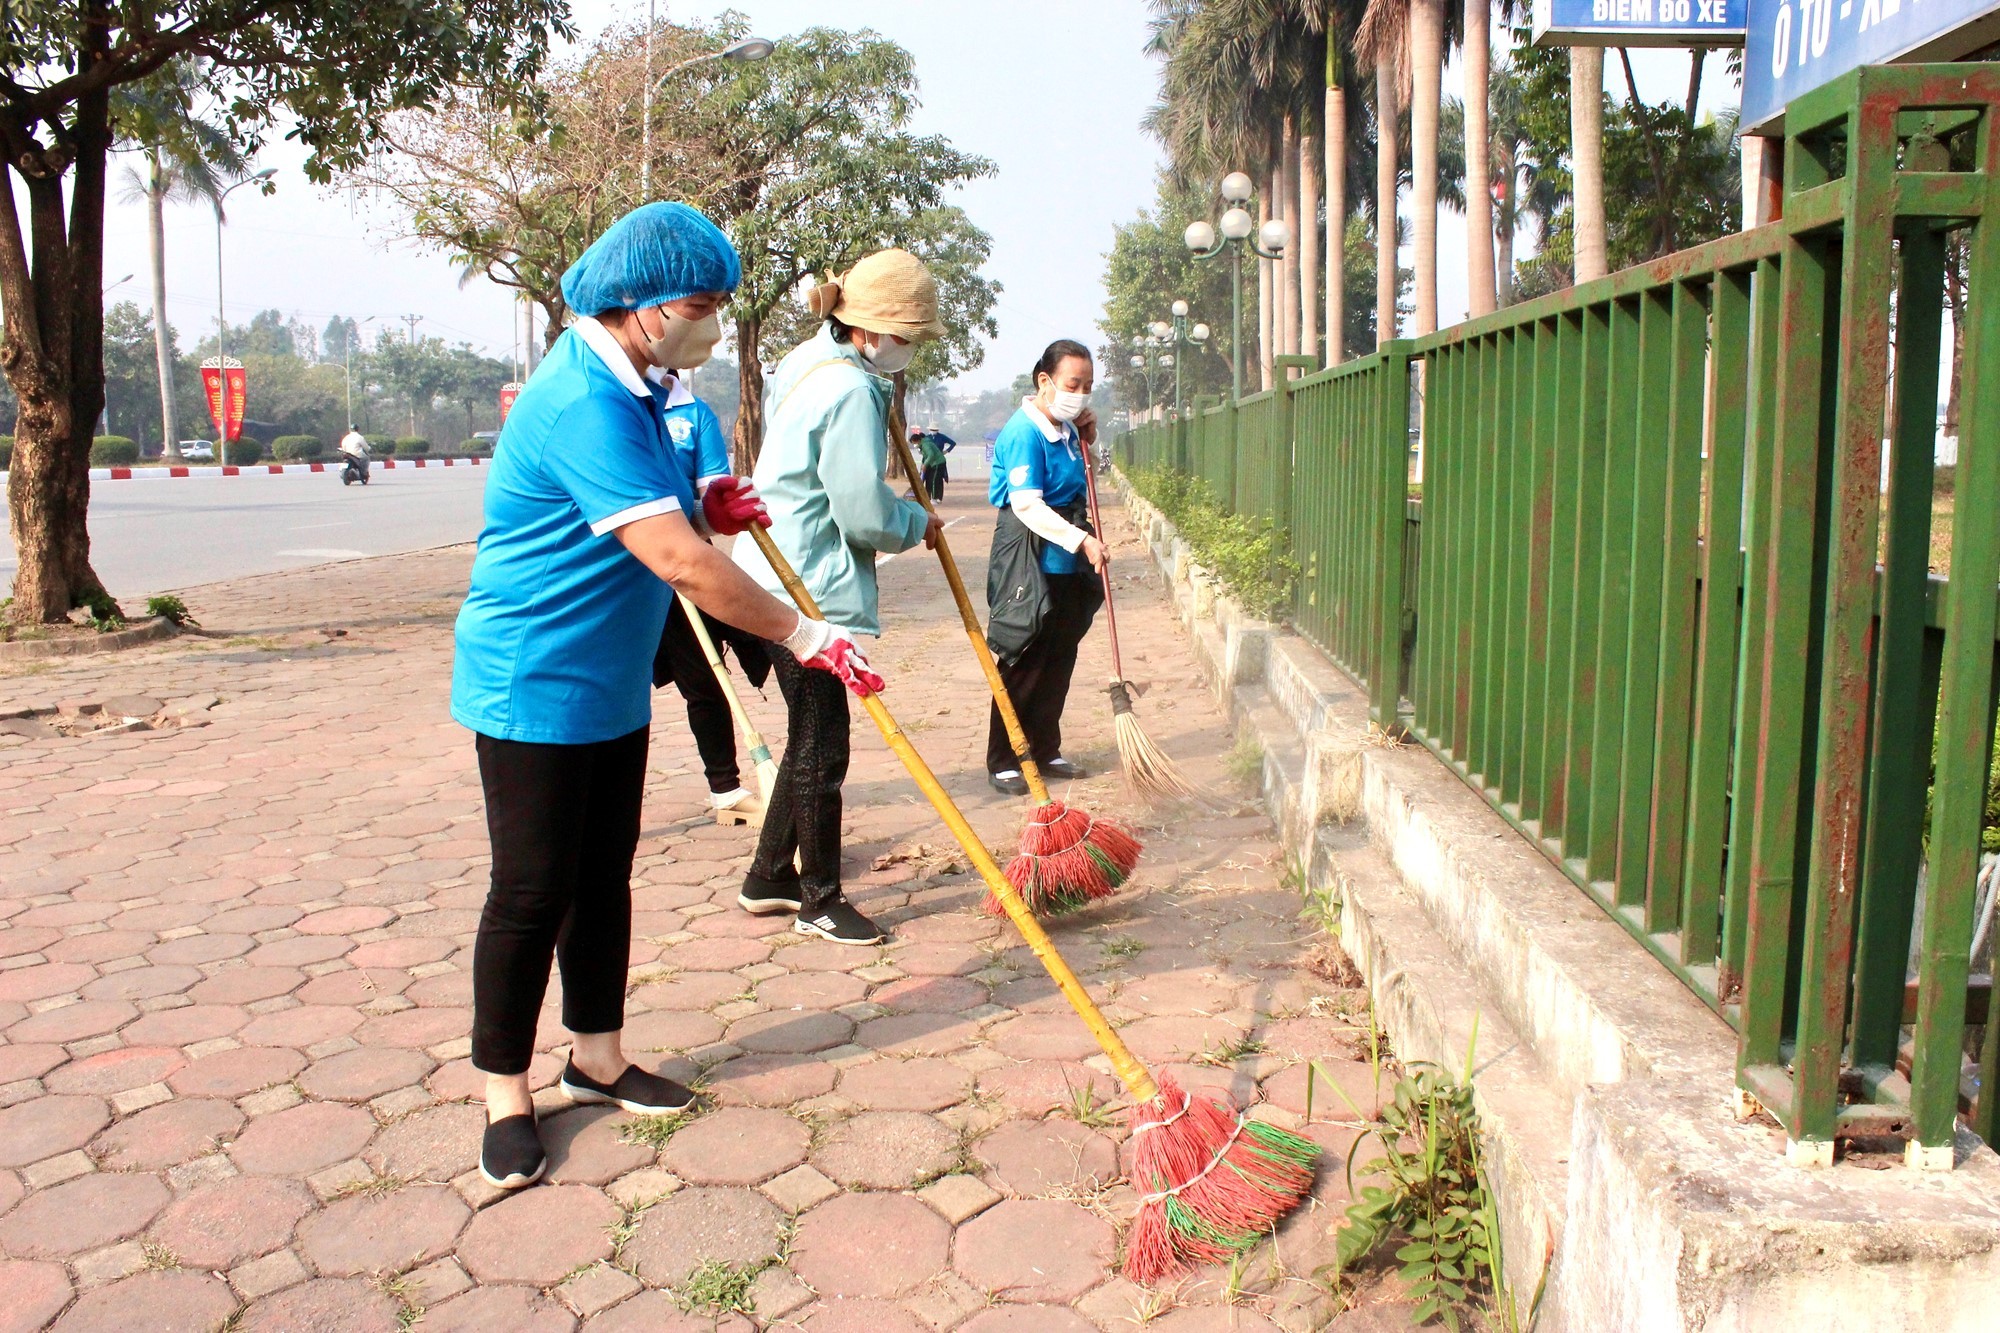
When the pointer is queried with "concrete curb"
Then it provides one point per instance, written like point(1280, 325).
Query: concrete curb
point(146, 631)
point(260, 469)
point(1624, 1183)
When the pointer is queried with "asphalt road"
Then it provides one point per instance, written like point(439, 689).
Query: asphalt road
point(153, 536)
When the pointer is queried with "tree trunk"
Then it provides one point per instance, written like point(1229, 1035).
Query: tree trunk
point(156, 235)
point(750, 395)
point(1309, 246)
point(1586, 132)
point(1385, 201)
point(1267, 295)
point(1427, 63)
point(1288, 212)
point(1504, 289)
point(1336, 225)
point(1482, 297)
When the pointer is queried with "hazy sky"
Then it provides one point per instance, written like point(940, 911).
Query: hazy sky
point(1051, 90)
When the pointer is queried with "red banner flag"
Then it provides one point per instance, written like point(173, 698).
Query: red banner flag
point(226, 388)
point(508, 393)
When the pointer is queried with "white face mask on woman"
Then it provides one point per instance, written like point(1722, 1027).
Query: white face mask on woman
point(888, 356)
point(1067, 406)
point(684, 343)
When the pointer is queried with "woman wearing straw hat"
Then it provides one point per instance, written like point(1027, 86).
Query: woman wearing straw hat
point(821, 469)
point(591, 529)
point(1041, 590)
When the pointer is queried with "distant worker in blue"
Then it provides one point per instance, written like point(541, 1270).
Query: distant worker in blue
point(931, 447)
point(696, 436)
point(1044, 581)
point(591, 529)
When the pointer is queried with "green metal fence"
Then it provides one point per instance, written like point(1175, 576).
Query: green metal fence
point(1673, 613)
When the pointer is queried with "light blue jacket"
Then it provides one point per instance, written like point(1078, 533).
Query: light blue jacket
point(820, 473)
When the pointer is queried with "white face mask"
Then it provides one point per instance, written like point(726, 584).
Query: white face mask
point(1067, 406)
point(684, 343)
point(889, 356)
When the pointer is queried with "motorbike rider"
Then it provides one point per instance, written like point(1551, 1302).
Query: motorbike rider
point(354, 445)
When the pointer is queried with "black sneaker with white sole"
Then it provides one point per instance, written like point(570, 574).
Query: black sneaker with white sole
point(1064, 770)
point(511, 1154)
point(762, 897)
point(839, 921)
point(635, 1090)
point(1010, 782)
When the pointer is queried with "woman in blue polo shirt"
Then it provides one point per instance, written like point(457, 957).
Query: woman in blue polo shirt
point(591, 529)
point(1044, 582)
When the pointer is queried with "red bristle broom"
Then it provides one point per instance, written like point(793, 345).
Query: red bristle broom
point(1213, 1182)
point(1068, 858)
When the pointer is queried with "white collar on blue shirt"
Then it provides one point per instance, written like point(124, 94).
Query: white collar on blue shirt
point(1051, 432)
point(599, 340)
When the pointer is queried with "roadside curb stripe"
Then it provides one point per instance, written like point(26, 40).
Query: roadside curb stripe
point(256, 469)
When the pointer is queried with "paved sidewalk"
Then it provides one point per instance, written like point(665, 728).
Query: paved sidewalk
point(235, 990)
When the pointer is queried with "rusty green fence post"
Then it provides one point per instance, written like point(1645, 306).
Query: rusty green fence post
point(1389, 496)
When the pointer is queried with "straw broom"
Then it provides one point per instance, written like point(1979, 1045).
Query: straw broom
point(760, 753)
point(1213, 1182)
point(1068, 859)
point(1147, 768)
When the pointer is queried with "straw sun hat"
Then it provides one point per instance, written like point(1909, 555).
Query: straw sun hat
point(888, 292)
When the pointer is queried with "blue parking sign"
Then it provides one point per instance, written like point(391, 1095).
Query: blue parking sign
point(1795, 46)
point(1639, 22)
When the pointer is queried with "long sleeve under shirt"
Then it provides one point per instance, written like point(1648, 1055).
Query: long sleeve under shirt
point(1038, 465)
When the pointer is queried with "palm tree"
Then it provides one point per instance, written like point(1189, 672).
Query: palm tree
point(1586, 133)
point(1426, 20)
point(188, 160)
point(1383, 40)
point(1336, 201)
point(1516, 185)
point(1481, 295)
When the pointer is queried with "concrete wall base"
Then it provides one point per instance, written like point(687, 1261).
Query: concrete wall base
point(1631, 1195)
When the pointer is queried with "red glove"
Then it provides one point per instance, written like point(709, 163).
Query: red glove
point(830, 648)
point(731, 504)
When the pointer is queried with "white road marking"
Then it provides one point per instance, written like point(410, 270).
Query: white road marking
point(947, 527)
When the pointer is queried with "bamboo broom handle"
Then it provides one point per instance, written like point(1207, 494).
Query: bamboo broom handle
point(1097, 521)
point(1133, 1074)
point(760, 753)
point(1016, 736)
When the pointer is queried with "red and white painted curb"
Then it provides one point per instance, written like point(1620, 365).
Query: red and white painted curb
point(264, 469)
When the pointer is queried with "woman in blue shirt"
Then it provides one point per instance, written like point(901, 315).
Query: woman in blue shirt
point(1045, 579)
point(591, 529)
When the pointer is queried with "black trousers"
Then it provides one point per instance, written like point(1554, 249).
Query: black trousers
point(804, 813)
point(934, 478)
point(1038, 680)
point(564, 823)
point(681, 659)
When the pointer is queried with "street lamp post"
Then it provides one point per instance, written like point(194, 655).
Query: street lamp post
point(739, 52)
point(1151, 361)
point(1236, 225)
point(1181, 336)
point(222, 324)
point(350, 369)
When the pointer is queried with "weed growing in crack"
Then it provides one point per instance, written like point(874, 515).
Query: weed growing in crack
point(656, 1131)
point(1084, 1108)
point(1224, 1054)
point(720, 1288)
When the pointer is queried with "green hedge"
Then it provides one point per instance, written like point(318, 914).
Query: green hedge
point(298, 448)
point(412, 446)
point(113, 451)
point(380, 444)
point(242, 452)
point(474, 448)
point(1253, 559)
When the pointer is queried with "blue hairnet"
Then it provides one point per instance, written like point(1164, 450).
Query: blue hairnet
point(656, 253)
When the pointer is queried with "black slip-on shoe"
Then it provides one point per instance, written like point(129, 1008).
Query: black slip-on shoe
point(635, 1090)
point(1011, 782)
point(839, 921)
point(762, 897)
point(1060, 767)
point(511, 1154)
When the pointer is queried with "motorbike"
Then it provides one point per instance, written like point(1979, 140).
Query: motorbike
point(355, 469)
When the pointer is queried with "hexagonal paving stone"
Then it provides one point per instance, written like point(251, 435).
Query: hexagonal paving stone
point(790, 1033)
point(905, 1085)
point(38, 981)
point(74, 1022)
point(1209, 1319)
point(1044, 1037)
point(738, 1145)
point(18, 1062)
point(918, 1034)
point(938, 960)
point(34, 1293)
point(350, 1305)
point(301, 1139)
point(811, 990)
point(844, 1316)
point(870, 1245)
point(361, 1075)
point(655, 1312)
point(887, 1150)
point(586, 1146)
point(1042, 1319)
point(142, 983)
point(1034, 1157)
point(371, 1233)
point(1037, 1087)
point(307, 1025)
point(179, 1299)
point(689, 991)
point(167, 1135)
point(771, 1080)
point(83, 1214)
point(539, 1235)
point(355, 986)
point(117, 1070)
point(187, 1025)
point(515, 1309)
point(11, 1190)
point(415, 1028)
point(1031, 1250)
point(221, 1225)
point(713, 955)
point(1360, 1089)
point(670, 1030)
point(438, 1143)
point(930, 995)
point(46, 1126)
point(1179, 1037)
point(246, 985)
point(237, 1073)
point(693, 1226)
point(348, 920)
